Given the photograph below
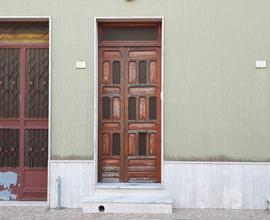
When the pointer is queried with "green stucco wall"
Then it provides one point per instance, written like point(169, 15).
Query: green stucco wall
point(216, 104)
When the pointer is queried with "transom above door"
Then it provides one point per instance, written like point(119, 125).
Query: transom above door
point(129, 104)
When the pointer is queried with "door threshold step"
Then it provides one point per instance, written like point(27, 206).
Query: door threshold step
point(128, 186)
point(147, 204)
point(128, 199)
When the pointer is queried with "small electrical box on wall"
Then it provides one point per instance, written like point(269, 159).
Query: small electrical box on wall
point(81, 64)
point(261, 64)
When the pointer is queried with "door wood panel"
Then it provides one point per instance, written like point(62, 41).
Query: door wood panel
point(129, 114)
point(111, 114)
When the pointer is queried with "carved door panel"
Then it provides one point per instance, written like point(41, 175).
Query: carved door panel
point(24, 72)
point(129, 114)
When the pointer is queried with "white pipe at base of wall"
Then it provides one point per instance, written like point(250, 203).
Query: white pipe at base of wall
point(58, 180)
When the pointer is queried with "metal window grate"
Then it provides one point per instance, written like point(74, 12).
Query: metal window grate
point(9, 82)
point(9, 147)
point(36, 147)
point(37, 80)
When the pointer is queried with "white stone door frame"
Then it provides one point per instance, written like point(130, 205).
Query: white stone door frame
point(38, 19)
point(95, 46)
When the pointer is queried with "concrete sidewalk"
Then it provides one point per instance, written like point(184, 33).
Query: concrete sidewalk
point(42, 213)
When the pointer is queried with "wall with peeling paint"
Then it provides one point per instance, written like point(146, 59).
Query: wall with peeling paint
point(217, 105)
point(8, 180)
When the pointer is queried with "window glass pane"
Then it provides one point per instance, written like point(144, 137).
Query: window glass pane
point(37, 83)
point(129, 33)
point(116, 144)
point(142, 72)
point(116, 72)
point(36, 148)
point(132, 108)
point(152, 108)
point(106, 107)
point(142, 144)
point(9, 82)
point(24, 27)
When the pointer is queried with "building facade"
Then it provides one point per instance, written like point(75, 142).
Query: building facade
point(174, 93)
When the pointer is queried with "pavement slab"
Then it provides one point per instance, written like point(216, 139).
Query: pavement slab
point(43, 213)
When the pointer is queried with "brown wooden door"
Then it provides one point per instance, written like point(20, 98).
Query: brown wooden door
point(129, 114)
